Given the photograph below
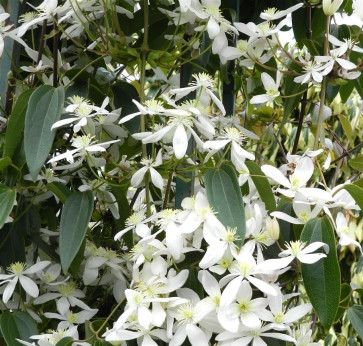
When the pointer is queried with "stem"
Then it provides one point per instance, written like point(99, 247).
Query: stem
point(55, 52)
point(348, 152)
point(304, 100)
point(144, 51)
point(167, 191)
point(323, 87)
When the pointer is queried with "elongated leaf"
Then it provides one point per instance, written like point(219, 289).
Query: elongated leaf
point(224, 195)
point(67, 341)
point(5, 162)
point(14, 130)
point(75, 217)
point(347, 129)
point(345, 293)
point(357, 162)
point(262, 185)
point(7, 199)
point(17, 325)
point(59, 190)
point(44, 109)
point(322, 279)
point(355, 315)
point(357, 193)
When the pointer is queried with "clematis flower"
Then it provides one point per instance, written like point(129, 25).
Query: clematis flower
point(346, 236)
point(271, 87)
point(273, 14)
point(20, 272)
point(149, 165)
point(358, 8)
point(297, 249)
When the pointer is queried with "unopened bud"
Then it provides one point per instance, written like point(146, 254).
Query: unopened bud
point(331, 6)
point(273, 228)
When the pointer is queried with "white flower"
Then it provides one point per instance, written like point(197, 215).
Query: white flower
point(149, 165)
point(271, 87)
point(358, 8)
point(84, 145)
point(331, 6)
point(233, 136)
point(245, 310)
point(345, 233)
point(19, 272)
point(66, 295)
point(314, 73)
point(297, 249)
point(273, 13)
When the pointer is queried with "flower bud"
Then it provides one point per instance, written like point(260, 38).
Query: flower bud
point(273, 228)
point(331, 6)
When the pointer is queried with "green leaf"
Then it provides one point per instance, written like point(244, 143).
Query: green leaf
point(262, 185)
point(357, 162)
point(347, 129)
point(14, 130)
point(17, 325)
point(75, 217)
point(322, 279)
point(356, 192)
point(355, 315)
point(345, 91)
point(67, 341)
point(5, 162)
point(345, 292)
point(225, 197)
point(60, 190)
point(7, 199)
point(44, 109)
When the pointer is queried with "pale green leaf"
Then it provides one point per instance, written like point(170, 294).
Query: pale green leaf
point(75, 217)
point(322, 279)
point(225, 197)
point(44, 109)
point(347, 129)
point(357, 162)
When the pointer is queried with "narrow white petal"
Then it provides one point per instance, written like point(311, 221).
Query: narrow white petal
point(311, 258)
point(314, 246)
point(137, 178)
point(29, 286)
point(156, 178)
point(180, 142)
point(276, 175)
point(296, 313)
point(196, 335)
point(286, 217)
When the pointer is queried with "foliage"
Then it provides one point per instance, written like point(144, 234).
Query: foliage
point(177, 172)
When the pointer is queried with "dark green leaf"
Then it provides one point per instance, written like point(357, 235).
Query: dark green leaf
point(60, 190)
point(13, 246)
point(17, 325)
point(14, 130)
point(44, 109)
point(355, 315)
point(225, 197)
point(346, 90)
point(7, 199)
point(356, 192)
point(5, 162)
point(322, 279)
point(124, 93)
point(67, 341)
point(75, 217)
point(262, 185)
point(357, 162)
point(345, 292)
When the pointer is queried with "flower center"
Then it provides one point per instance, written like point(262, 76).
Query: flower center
point(279, 318)
point(243, 306)
point(17, 268)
